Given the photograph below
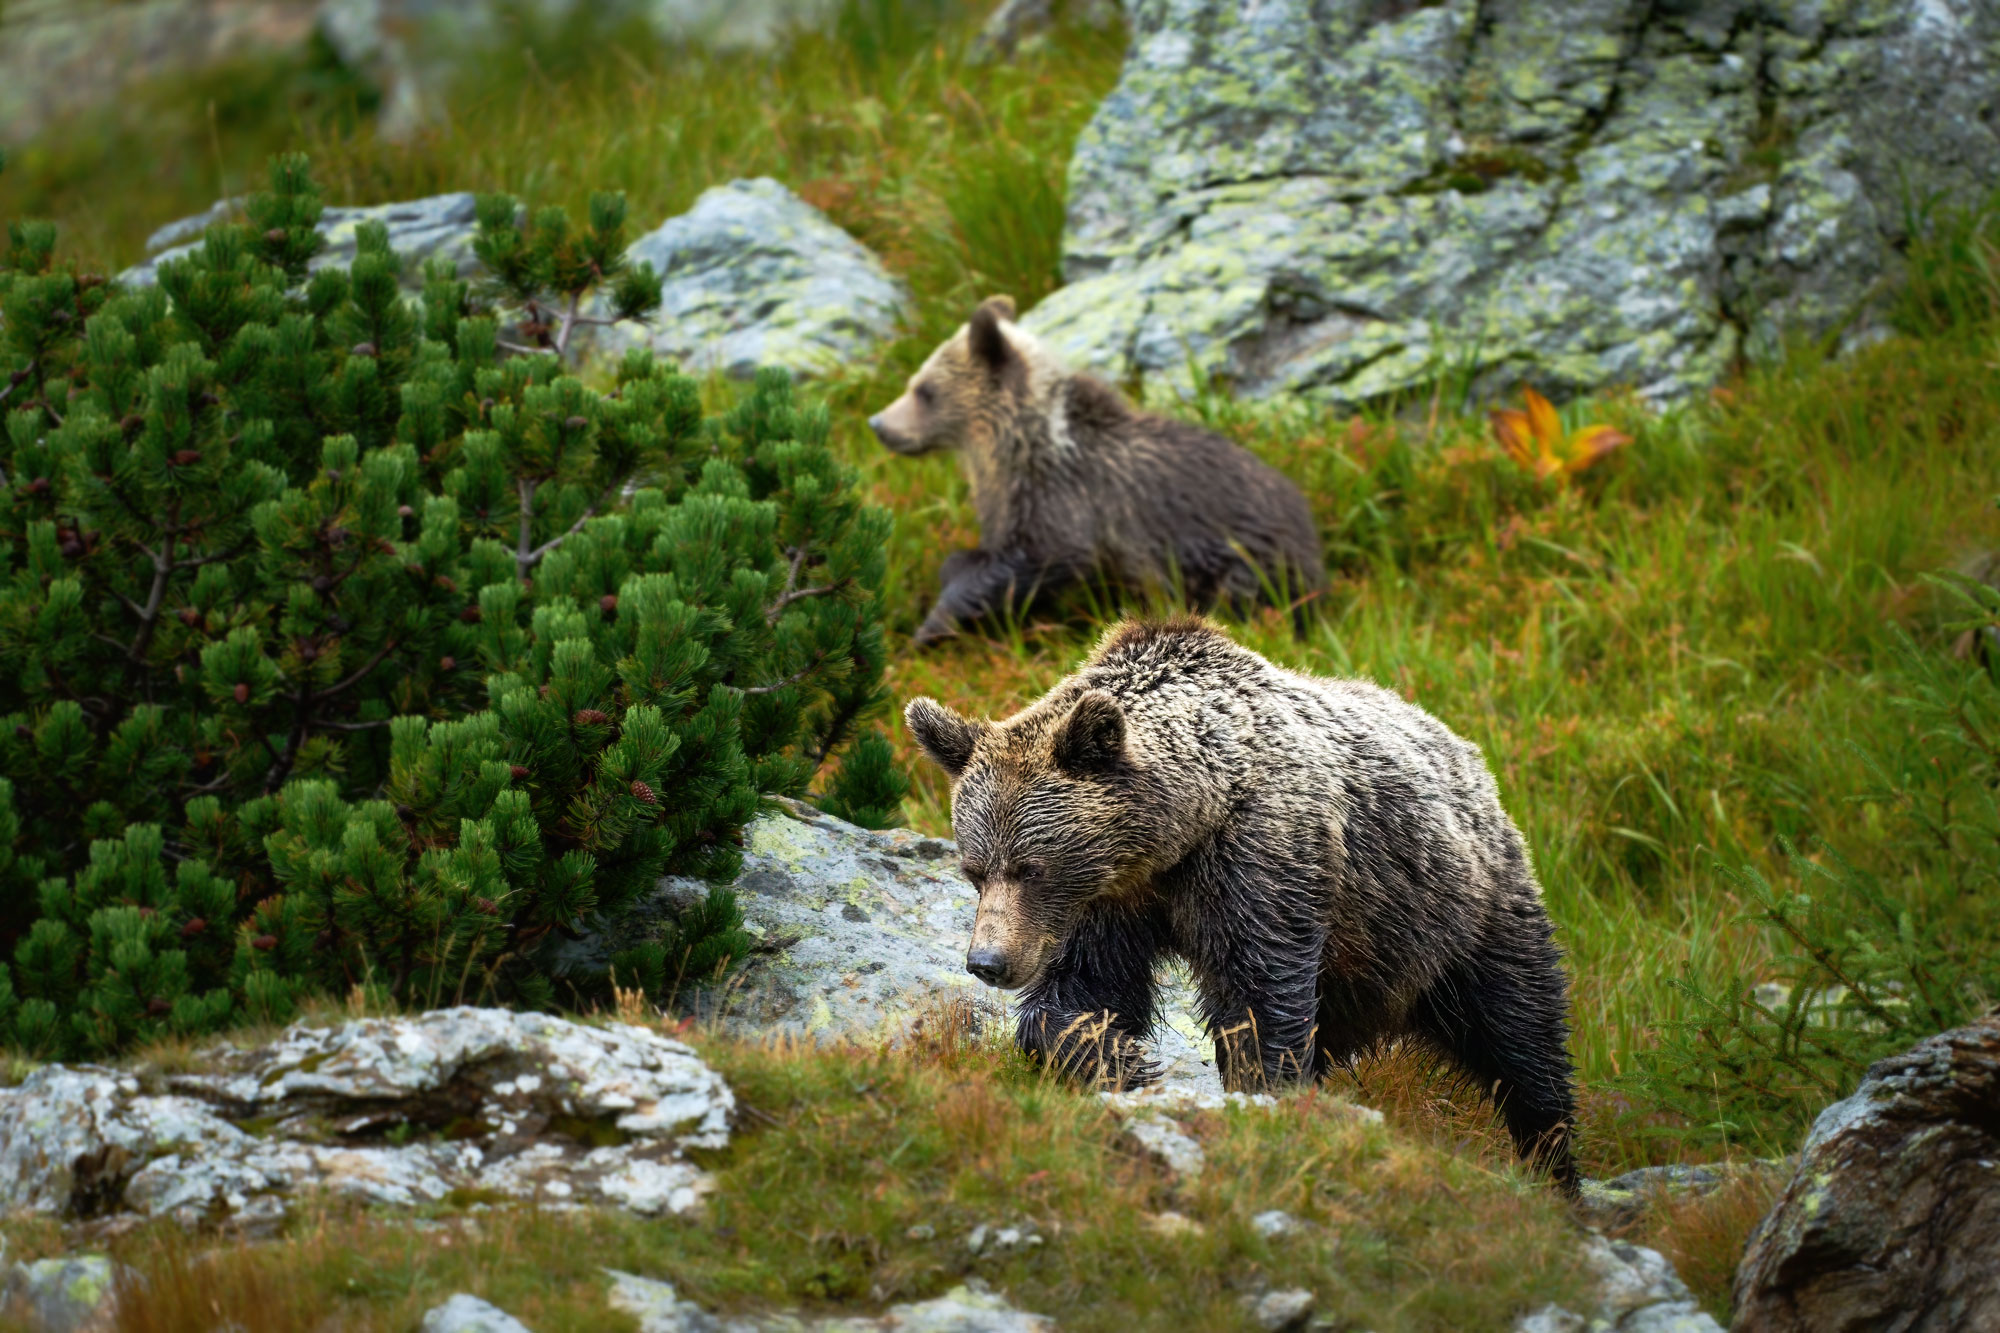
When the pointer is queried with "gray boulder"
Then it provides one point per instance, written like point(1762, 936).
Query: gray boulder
point(419, 230)
point(863, 933)
point(753, 276)
point(72, 1294)
point(1892, 1220)
point(1350, 199)
point(471, 1105)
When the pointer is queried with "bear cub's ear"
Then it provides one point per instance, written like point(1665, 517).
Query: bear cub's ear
point(942, 734)
point(987, 339)
point(1092, 738)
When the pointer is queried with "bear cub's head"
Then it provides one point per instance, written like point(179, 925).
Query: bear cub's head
point(1046, 812)
point(975, 379)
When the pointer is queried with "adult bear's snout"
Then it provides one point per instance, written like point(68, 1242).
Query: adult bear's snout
point(989, 965)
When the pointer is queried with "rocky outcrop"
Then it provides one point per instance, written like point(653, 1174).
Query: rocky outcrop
point(753, 276)
point(1892, 1220)
point(420, 230)
point(458, 1105)
point(1351, 198)
point(860, 934)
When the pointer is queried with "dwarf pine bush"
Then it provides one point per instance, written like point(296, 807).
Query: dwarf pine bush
point(350, 640)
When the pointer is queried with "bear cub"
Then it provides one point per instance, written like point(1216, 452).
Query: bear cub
point(1331, 861)
point(1070, 481)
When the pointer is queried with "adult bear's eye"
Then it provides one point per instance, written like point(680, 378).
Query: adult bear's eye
point(975, 873)
point(1029, 872)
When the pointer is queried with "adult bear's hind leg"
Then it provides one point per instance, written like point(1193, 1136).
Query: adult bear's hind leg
point(1501, 1016)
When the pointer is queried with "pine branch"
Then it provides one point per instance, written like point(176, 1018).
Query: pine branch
point(526, 560)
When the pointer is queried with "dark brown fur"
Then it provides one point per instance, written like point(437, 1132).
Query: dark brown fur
point(1070, 481)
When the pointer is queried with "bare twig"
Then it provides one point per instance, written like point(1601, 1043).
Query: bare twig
point(388, 647)
point(777, 607)
point(788, 681)
point(15, 380)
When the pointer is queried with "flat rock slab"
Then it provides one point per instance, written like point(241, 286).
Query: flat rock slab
point(972, 1308)
point(1892, 1220)
point(862, 933)
point(1352, 199)
point(458, 1105)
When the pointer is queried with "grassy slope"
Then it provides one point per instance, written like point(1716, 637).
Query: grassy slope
point(1666, 663)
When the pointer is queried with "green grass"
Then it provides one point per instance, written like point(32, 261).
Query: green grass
point(1671, 665)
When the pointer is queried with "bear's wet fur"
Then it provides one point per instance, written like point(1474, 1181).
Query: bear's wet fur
point(1331, 861)
point(1071, 482)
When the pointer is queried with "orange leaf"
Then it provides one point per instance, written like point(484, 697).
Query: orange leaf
point(1592, 443)
point(1542, 419)
point(1511, 428)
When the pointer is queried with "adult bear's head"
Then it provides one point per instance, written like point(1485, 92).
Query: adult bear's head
point(1049, 815)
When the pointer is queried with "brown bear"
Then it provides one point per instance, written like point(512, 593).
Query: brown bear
point(1070, 481)
point(1331, 861)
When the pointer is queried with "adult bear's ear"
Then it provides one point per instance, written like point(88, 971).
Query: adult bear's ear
point(943, 735)
point(1092, 738)
point(987, 339)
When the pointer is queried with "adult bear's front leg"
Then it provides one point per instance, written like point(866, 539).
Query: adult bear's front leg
point(1254, 938)
point(1089, 1011)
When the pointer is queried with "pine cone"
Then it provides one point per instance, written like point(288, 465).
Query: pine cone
point(608, 604)
point(518, 771)
point(485, 907)
point(447, 664)
point(186, 457)
point(643, 794)
point(472, 615)
point(590, 717)
point(190, 617)
point(242, 692)
point(193, 927)
point(265, 942)
point(156, 1006)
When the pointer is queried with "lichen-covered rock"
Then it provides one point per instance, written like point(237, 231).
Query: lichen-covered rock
point(1351, 199)
point(859, 934)
point(754, 276)
point(72, 1294)
point(439, 227)
point(1892, 1220)
point(1637, 1292)
point(467, 1104)
point(1610, 1205)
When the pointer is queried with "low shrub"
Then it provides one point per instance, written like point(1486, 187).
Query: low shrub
point(357, 641)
